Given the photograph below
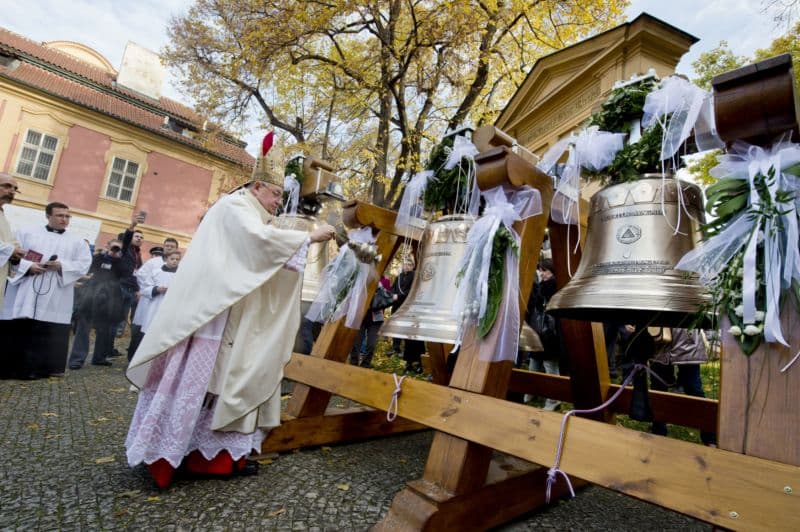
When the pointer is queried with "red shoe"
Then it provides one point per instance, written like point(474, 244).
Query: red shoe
point(162, 473)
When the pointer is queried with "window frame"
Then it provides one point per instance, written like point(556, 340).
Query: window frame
point(54, 153)
point(123, 175)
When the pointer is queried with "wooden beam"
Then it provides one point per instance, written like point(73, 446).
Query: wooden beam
point(338, 425)
point(510, 491)
point(724, 488)
point(695, 412)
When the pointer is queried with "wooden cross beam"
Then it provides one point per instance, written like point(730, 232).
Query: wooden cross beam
point(727, 489)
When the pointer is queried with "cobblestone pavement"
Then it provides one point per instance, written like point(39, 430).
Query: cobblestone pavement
point(64, 467)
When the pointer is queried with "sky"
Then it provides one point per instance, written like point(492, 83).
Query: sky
point(107, 25)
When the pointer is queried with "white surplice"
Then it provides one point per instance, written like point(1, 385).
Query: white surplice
point(144, 277)
point(153, 300)
point(48, 296)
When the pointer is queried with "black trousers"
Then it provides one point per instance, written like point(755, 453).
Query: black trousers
point(43, 346)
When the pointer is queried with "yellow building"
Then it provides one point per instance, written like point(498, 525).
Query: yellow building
point(105, 142)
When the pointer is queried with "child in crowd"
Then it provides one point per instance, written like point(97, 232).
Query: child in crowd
point(157, 287)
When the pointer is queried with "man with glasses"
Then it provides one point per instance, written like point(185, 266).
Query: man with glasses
point(39, 296)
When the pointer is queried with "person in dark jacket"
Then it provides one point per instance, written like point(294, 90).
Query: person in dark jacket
point(400, 288)
point(131, 261)
point(100, 307)
point(372, 323)
point(545, 325)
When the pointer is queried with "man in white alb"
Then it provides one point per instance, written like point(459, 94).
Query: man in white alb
point(39, 296)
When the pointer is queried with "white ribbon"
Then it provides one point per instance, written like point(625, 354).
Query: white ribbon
point(591, 149)
point(469, 199)
point(345, 273)
point(411, 205)
point(781, 246)
point(681, 99)
point(503, 206)
point(292, 186)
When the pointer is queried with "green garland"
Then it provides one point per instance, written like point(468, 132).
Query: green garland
point(502, 241)
point(440, 194)
point(623, 106)
point(295, 166)
point(616, 115)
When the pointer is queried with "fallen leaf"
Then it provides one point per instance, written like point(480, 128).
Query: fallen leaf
point(33, 426)
point(295, 451)
point(277, 512)
point(105, 460)
point(402, 460)
point(131, 493)
point(118, 390)
point(154, 498)
point(343, 487)
point(285, 397)
point(49, 414)
point(325, 449)
point(265, 461)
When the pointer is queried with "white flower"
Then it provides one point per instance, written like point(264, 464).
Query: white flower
point(752, 330)
point(739, 310)
point(760, 315)
point(735, 330)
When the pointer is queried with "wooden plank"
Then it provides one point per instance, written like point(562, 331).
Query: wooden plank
point(510, 491)
point(724, 488)
point(588, 364)
point(336, 426)
point(437, 358)
point(759, 413)
point(677, 409)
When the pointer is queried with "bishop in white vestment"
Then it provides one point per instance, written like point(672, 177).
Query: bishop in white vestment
point(39, 296)
point(210, 366)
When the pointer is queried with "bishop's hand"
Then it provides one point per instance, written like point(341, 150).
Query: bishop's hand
point(322, 233)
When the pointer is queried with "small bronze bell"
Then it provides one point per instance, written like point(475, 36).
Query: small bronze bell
point(427, 312)
point(626, 273)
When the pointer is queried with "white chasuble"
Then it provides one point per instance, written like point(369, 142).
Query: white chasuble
point(47, 296)
point(144, 277)
point(234, 265)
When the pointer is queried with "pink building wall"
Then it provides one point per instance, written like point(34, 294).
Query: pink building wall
point(81, 170)
point(173, 193)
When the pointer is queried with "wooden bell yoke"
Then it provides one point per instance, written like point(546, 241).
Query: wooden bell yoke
point(463, 487)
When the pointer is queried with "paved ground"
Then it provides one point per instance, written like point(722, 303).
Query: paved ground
point(64, 467)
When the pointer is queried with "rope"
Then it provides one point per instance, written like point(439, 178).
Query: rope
point(554, 471)
point(391, 412)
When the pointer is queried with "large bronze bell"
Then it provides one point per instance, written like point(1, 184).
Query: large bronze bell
point(626, 273)
point(427, 312)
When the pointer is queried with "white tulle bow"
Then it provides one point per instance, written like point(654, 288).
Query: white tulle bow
point(781, 242)
point(343, 290)
point(292, 187)
point(503, 206)
point(411, 204)
point(676, 105)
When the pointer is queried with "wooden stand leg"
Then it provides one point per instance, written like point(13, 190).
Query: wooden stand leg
point(438, 357)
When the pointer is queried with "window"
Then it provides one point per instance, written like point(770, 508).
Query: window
point(37, 155)
point(122, 180)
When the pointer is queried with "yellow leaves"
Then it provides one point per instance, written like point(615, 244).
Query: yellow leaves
point(153, 498)
point(325, 449)
point(265, 461)
point(118, 390)
point(343, 487)
point(105, 460)
point(277, 512)
point(33, 426)
point(49, 414)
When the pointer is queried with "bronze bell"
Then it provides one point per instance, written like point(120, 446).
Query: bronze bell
point(427, 312)
point(626, 273)
point(529, 340)
point(317, 257)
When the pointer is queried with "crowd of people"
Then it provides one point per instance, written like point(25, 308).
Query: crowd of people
point(76, 288)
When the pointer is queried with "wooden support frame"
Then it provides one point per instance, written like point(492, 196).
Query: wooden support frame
point(726, 489)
